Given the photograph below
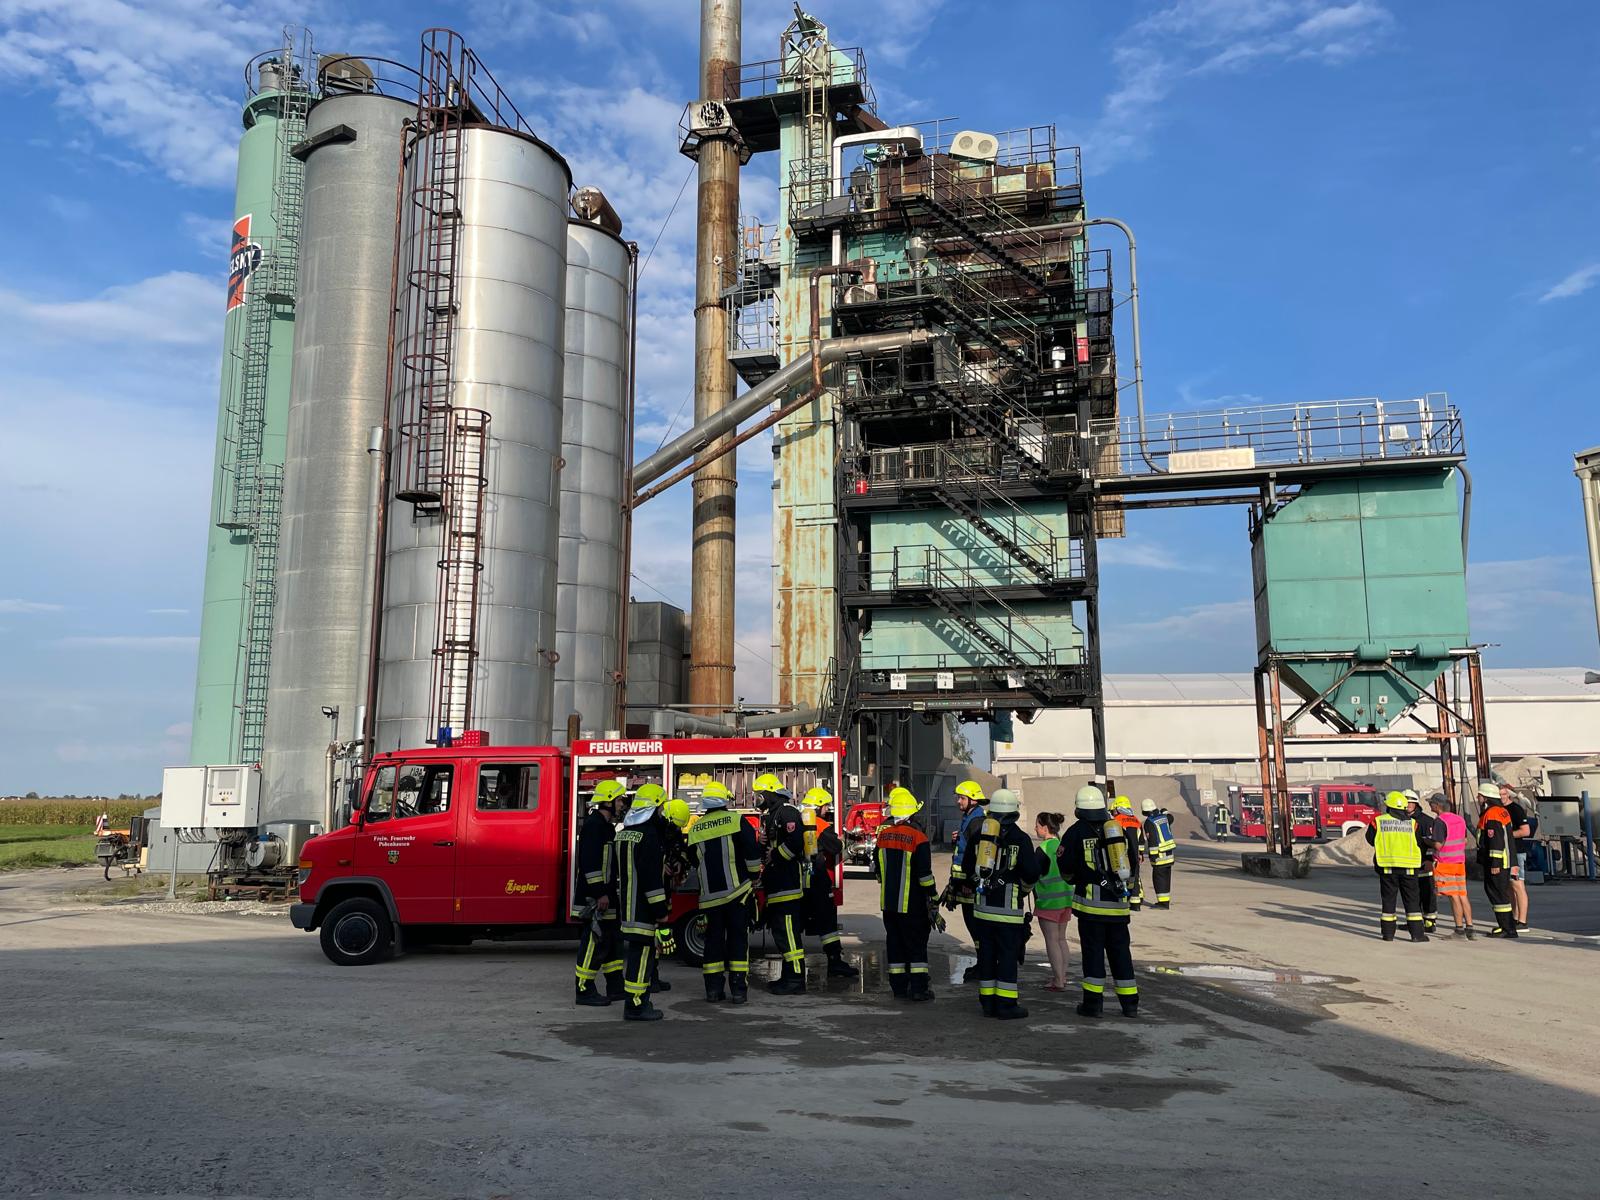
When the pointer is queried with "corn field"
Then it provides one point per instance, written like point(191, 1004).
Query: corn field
point(70, 812)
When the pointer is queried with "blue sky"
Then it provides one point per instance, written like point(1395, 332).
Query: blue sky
point(1332, 200)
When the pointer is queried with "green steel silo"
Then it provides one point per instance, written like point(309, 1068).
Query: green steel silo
point(241, 548)
point(1360, 592)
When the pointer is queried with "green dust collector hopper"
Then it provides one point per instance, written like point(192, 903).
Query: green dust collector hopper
point(1360, 592)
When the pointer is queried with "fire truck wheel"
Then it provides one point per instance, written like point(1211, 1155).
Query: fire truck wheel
point(357, 933)
point(691, 934)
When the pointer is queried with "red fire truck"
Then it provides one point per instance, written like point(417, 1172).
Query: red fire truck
point(1252, 824)
point(1343, 807)
point(1328, 810)
point(473, 842)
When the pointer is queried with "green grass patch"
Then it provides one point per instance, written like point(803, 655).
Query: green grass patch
point(23, 847)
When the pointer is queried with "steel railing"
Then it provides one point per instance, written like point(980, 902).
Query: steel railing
point(1366, 430)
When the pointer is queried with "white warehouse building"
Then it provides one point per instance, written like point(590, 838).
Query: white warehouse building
point(1204, 726)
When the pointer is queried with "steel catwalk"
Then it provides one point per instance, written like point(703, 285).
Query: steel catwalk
point(593, 444)
point(506, 361)
point(321, 618)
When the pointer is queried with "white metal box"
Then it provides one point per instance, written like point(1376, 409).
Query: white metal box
point(225, 797)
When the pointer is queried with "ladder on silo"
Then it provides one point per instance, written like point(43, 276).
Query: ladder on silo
point(810, 177)
point(427, 354)
point(261, 592)
point(455, 643)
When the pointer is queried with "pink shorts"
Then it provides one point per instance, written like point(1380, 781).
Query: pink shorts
point(1058, 915)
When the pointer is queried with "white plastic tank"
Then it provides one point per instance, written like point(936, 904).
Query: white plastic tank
point(593, 445)
point(507, 356)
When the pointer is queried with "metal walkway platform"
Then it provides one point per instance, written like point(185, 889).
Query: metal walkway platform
point(1277, 444)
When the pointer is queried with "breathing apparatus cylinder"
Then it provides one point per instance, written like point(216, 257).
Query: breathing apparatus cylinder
point(1115, 851)
point(808, 821)
point(988, 851)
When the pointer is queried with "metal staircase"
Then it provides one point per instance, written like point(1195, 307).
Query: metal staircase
point(1001, 628)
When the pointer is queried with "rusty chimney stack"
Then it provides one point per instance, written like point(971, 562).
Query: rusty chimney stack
point(717, 219)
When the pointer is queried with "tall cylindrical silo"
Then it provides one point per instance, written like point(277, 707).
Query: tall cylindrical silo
point(593, 443)
point(258, 333)
point(509, 292)
point(352, 160)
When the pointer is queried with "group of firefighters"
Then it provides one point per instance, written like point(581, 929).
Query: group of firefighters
point(1421, 856)
point(635, 848)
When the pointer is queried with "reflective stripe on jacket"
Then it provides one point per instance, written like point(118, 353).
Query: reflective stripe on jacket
point(1052, 892)
point(1000, 896)
point(725, 851)
point(1086, 861)
point(905, 869)
point(1453, 847)
point(1394, 845)
point(1158, 836)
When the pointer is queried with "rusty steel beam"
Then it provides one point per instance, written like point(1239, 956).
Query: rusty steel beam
point(712, 563)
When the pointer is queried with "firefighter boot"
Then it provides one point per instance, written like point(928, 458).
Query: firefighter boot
point(589, 996)
point(614, 986)
point(1388, 930)
point(1506, 926)
point(658, 984)
point(1092, 1004)
point(987, 1003)
point(899, 985)
point(1130, 1005)
point(1414, 927)
point(641, 1011)
point(715, 993)
point(1007, 1009)
point(738, 988)
point(791, 983)
point(919, 989)
point(837, 966)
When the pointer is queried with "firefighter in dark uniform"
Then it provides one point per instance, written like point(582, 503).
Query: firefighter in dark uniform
point(1094, 859)
point(641, 888)
point(907, 896)
point(728, 858)
point(1162, 848)
point(821, 913)
point(1398, 842)
point(1133, 835)
point(1497, 854)
point(969, 802)
point(783, 879)
point(597, 884)
point(1433, 832)
point(1002, 866)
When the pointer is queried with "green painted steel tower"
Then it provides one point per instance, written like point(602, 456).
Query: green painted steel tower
point(230, 692)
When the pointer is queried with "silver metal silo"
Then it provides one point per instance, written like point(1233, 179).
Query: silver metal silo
point(505, 360)
point(593, 444)
point(320, 623)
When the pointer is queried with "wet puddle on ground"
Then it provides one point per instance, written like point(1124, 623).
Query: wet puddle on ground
point(1232, 974)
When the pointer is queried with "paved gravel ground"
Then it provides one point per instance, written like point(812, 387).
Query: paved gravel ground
point(155, 1049)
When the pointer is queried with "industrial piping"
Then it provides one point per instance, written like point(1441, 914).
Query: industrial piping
point(666, 724)
point(725, 420)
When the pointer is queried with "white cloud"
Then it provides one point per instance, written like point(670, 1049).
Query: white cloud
point(1170, 48)
point(168, 612)
point(1508, 598)
point(1219, 621)
point(178, 308)
point(1575, 284)
point(27, 606)
point(121, 641)
point(1137, 552)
